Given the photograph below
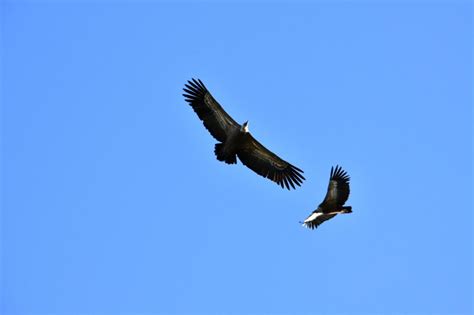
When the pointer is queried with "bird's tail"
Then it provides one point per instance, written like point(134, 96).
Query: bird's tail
point(222, 156)
point(347, 209)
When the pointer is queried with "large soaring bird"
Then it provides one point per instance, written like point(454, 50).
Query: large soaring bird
point(333, 204)
point(235, 140)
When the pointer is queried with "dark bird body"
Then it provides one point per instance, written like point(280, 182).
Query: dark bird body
point(333, 203)
point(236, 141)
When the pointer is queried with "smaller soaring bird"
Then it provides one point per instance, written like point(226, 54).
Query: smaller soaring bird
point(333, 204)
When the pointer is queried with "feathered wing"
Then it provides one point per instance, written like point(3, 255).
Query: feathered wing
point(316, 218)
point(267, 164)
point(338, 188)
point(214, 117)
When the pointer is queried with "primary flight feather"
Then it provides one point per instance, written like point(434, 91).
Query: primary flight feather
point(235, 140)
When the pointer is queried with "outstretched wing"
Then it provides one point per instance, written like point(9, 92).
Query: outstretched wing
point(214, 117)
point(338, 188)
point(316, 218)
point(267, 164)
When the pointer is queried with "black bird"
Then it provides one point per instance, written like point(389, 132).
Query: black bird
point(333, 204)
point(235, 140)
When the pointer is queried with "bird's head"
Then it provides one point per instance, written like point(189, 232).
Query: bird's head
point(245, 127)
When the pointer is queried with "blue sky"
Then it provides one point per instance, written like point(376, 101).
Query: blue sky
point(113, 202)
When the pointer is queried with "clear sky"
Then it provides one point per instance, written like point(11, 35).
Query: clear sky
point(113, 201)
